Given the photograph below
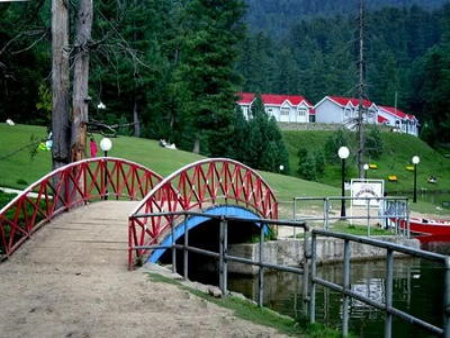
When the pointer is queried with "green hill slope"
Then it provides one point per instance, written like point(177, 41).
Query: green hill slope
point(19, 170)
point(398, 152)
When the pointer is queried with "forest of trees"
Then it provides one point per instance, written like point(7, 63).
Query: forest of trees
point(275, 17)
point(174, 66)
point(407, 56)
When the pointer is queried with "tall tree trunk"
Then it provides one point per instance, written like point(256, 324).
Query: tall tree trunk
point(60, 83)
point(137, 125)
point(81, 79)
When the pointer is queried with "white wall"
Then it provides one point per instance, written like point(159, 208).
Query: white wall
point(329, 112)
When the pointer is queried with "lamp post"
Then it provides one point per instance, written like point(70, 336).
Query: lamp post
point(415, 161)
point(105, 146)
point(343, 154)
point(366, 168)
point(281, 168)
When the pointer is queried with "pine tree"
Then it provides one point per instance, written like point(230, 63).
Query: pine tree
point(212, 30)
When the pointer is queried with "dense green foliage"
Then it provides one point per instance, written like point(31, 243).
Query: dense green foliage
point(407, 57)
point(261, 141)
point(276, 16)
point(174, 66)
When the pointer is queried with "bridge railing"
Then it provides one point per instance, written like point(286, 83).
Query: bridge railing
point(387, 307)
point(390, 213)
point(68, 187)
point(197, 186)
point(222, 256)
point(308, 268)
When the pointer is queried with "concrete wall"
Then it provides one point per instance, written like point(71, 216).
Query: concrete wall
point(290, 252)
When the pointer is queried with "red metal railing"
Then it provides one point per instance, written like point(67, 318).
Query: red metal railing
point(68, 187)
point(196, 186)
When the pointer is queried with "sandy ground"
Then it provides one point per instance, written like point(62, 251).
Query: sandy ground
point(71, 280)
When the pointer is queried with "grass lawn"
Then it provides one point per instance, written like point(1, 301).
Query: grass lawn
point(398, 152)
point(19, 170)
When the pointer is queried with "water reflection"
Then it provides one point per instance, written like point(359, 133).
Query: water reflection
point(418, 290)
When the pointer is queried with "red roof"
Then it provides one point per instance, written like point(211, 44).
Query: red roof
point(398, 113)
point(273, 99)
point(382, 119)
point(343, 101)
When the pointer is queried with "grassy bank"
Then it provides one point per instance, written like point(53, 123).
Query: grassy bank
point(246, 310)
point(18, 169)
point(398, 152)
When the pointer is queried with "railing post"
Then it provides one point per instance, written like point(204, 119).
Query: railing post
point(447, 299)
point(312, 284)
point(388, 293)
point(346, 285)
point(326, 208)
point(223, 244)
point(174, 249)
point(186, 252)
point(305, 277)
point(368, 217)
point(261, 269)
point(294, 215)
point(408, 225)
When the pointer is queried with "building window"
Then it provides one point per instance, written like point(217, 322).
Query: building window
point(312, 118)
point(302, 113)
point(285, 111)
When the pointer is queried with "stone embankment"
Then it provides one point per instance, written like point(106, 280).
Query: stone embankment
point(290, 252)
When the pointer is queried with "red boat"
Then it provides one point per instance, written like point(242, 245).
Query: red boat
point(423, 226)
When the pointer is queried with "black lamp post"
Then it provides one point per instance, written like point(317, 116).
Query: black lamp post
point(415, 161)
point(105, 146)
point(343, 154)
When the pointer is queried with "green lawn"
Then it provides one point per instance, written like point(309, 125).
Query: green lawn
point(19, 170)
point(398, 152)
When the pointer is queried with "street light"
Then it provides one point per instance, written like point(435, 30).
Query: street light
point(343, 155)
point(281, 168)
point(105, 146)
point(366, 168)
point(415, 161)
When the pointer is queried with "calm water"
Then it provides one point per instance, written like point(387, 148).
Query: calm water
point(418, 290)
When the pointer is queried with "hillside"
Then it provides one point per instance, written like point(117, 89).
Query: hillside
point(398, 152)
point(20, 170)
point(276, 16)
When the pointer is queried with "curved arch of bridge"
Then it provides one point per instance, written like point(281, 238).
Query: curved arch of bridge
point(67, 187)
point(197, 186)
point(195, 221)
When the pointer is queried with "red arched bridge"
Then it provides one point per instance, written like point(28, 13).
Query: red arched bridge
point(200, 185)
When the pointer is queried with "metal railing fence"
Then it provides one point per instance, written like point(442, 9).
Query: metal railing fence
point(387, 306)
point(222, 256)
point(309, 267)
point(392, 210)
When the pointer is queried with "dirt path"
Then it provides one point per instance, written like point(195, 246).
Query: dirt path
point(71, 280)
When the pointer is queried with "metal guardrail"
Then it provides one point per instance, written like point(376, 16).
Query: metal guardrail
point(393, 210)
point(223, 255)
point(309, 268)
point(387, 306)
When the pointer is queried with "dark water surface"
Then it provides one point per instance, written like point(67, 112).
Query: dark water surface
point(418, 290)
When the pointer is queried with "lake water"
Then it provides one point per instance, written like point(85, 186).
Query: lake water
point(418, 290)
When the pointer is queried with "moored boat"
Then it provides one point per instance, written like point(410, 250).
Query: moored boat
point(427, 226)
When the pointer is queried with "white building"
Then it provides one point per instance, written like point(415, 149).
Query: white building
point(344, 110)
point(400, 121)
point(284, 108)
